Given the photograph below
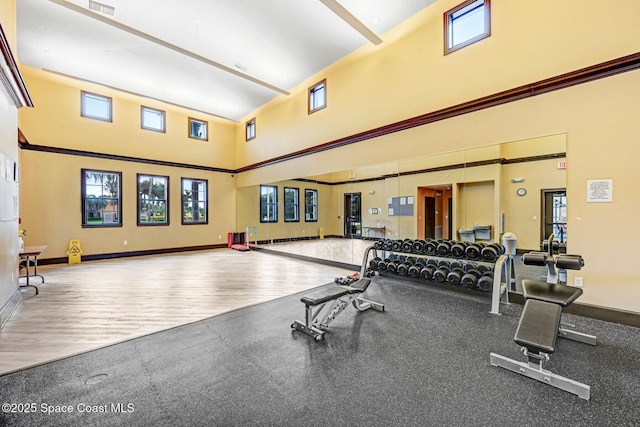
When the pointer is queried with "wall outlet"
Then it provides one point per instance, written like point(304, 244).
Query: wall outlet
point(578, 281)
point(126, 243)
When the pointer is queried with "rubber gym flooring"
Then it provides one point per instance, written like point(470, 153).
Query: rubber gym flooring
point(423, 362)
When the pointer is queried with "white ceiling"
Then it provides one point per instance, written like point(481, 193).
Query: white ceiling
point(185, 51)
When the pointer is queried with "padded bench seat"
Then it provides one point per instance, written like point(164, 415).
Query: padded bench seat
point(548, 292)
point(324, 295)
point(538, 326)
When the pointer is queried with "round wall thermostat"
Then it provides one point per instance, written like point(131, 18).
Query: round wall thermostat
point(521, 191)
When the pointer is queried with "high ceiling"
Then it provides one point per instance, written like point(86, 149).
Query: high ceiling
point(225, 58)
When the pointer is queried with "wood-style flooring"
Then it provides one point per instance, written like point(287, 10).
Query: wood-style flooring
point(94, 304)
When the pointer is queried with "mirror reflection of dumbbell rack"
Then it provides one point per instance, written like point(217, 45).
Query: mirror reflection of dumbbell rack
point(470, 265)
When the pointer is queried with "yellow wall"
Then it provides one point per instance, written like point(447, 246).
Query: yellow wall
point(50, 190)
point(404, 77)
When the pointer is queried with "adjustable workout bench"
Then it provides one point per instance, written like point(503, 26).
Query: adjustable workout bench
point(339, 298)
point(537, 333)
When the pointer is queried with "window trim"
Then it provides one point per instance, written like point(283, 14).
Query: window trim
point(297, 204)
point(151, 109)
point(447, 25)
point(316, 205)
point(88, 116)
point(250, 123)
point(167, 201)
point(206, 201)
point(206, 126)
point(83, 198)
point(275, 203)
point(311, 92)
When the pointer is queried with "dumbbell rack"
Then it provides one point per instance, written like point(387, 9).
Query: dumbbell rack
point(501, 270)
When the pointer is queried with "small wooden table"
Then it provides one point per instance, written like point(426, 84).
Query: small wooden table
point(26, 255)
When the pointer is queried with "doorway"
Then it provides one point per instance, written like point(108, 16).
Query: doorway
point(352, 215)
point(429, 217)
point(434, 212)
point(554, 214)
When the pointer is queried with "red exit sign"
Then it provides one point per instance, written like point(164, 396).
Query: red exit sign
point(562, 165)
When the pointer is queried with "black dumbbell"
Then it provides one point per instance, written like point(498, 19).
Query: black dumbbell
point(373, 264)
point(396, 245)
point(455, 276)
point(430, 247)
point(378, 244)
point(443, 248)
point(440, 274)
point(418, 246)
point(473, 250)
point(491, 252)
point(407, 246)
point(427, 272)
point(387, 245)
point(471, 276)
point(485, 283)
point(414, 270)
point(458, 249)
point(403, 268)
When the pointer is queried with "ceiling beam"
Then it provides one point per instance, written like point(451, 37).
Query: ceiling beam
point(354, 22)
point(112, 22)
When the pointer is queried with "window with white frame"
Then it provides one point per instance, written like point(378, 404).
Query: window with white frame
point(291, 204)
point(466, 23)
point(153, 200)
point(310, 205)
point(94, 106)
point(195, 207)
point(152, 119)
point(318, 96)
point(101, 198)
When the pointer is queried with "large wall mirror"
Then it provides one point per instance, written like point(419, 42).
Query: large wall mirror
point(479, 193)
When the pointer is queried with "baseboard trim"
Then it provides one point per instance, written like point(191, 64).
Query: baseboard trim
point(310, 259)
point(7, 310)
point(96, 257)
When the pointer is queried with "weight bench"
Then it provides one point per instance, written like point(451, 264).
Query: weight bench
point(553, 292)
point(537, 333)
point(330, 302)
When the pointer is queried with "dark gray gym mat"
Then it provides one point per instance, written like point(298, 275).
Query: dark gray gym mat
point(425, 361)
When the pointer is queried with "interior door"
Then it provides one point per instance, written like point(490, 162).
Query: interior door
point(554, 214)
point(430, 217)
point(352, 215)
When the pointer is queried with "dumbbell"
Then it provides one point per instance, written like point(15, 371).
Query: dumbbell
point(455, 275)
point(473, 250)
point(443, 248)
point(407, 246)
point(485, 283)
point(414, 270)
point(378, 244)
point(430, 247)
point(491, 252)
point(403, 268)
point(418, 246)
point(388, 245)
point(384, 264)
point(396, 245)
point(427, 272)
point(373, 264)
point(458, 249)
point(471, 276)
point(440, 274)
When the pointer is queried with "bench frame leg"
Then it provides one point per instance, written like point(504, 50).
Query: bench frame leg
point(575, 335)
point(314, 325)
point(533, 369)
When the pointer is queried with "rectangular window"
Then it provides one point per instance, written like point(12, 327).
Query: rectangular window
point(95, 106)
point(251, 129)
point(291, 204)
point(318, 96)
point(268, 203)
point(195, 209)
point(153, 200)
point(311, 205)
point(101, 198)
point(198, 129)
point(466, 23)
point(152, 119)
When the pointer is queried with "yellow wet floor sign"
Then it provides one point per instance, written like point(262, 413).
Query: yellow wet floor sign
point(74, 252)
